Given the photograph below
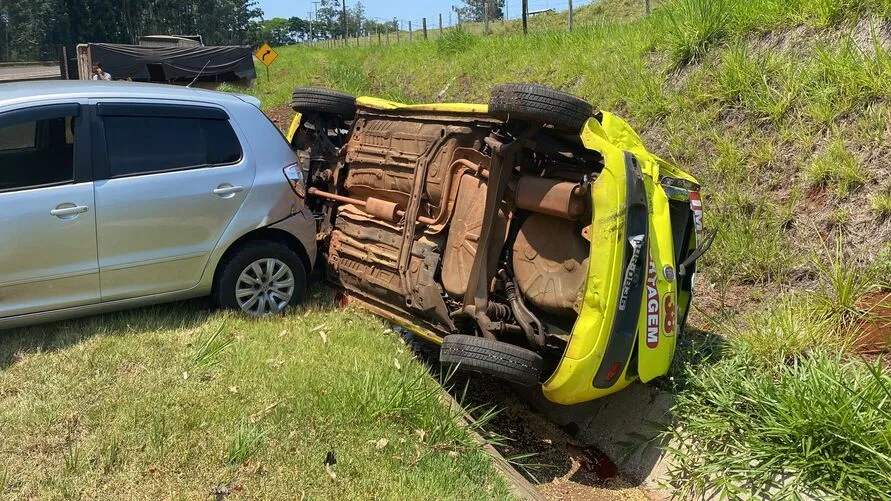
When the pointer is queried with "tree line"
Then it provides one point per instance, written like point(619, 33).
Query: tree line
point(33, 29)
point(334, 20)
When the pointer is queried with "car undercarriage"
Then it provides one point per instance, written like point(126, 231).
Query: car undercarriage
point(470, 225)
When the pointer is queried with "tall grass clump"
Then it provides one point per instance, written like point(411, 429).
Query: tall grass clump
point(455, 41)
point(816, 426)
point(836, 168)
point(693, 26)
point(841, 78)
point(783, 331)
point(842, 285)
point(245, 442)
point(831, 12)
point(881, 204)
point(752, 246)
point(764, 85)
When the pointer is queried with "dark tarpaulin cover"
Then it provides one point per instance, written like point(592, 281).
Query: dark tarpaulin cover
point(131, 61)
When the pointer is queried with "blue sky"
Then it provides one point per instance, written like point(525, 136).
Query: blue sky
point(401, 9)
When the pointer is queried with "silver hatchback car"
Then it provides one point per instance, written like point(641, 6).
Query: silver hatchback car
point(114, 195)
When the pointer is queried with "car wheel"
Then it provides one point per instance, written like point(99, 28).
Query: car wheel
point(494, 358)
point(261, 278)
point(535, 103)
point(324, 101)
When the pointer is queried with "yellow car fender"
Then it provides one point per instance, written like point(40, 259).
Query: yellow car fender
point(571, 382)
point(295, 124)
point(383, 104)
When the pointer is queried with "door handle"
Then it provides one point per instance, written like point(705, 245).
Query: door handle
point(67, 210)
point(227, 190)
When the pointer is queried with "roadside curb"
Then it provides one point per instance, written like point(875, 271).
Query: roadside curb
point(518, 484)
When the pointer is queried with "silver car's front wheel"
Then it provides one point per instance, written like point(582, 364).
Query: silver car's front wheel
point(260, 278)
point(265, 286)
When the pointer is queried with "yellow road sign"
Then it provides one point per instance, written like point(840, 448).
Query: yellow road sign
point(266, 55)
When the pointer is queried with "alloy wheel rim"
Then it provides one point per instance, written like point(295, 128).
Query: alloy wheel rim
point(266, 286)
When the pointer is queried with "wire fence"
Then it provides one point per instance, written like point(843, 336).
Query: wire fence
point(540, 15)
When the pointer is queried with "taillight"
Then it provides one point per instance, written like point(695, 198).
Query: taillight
point(295, 178)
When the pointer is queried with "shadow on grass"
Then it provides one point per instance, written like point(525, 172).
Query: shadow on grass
point(16, 343)
point(183, 315)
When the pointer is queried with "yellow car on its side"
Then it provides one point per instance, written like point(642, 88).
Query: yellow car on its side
point(532, 238)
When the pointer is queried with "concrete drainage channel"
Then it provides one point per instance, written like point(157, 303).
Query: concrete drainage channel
point(605, 449)
point(586, 451)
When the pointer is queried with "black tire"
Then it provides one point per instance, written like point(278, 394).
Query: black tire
point(324, 101)
point(494, 358)
point(535, 103)
point(241, 258)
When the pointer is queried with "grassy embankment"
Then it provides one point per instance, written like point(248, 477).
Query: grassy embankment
point(181, 402)
point(782, 109)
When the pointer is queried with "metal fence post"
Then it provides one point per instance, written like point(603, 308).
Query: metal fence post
point(345, 28)
point(424, 25)
point(410, 34)
point(486, 17)
point(570, 15)
point(525, 14)
point(440, 23)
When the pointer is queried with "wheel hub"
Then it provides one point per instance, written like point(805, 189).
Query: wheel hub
point(264, 287)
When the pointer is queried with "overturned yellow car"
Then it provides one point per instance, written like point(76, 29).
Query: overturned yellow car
point(533, 239)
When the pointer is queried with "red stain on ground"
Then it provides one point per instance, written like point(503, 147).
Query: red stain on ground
point(594, 461)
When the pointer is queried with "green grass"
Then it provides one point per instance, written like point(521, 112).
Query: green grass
point(781, 108)
point(693, 26)
point(836, 168)
point(778, 431)
point(772, 104)
point(881, 204)
point(178, 400)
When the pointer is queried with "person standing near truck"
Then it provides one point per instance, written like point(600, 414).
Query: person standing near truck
point(100, 74)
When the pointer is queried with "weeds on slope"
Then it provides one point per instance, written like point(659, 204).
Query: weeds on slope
point(814, 426)
point(836, 168)
point(693, 26)
point(788, 409)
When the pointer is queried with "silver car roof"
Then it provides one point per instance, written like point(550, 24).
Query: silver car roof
point(18, 92)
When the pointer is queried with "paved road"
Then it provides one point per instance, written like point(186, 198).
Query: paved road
point(28, 72)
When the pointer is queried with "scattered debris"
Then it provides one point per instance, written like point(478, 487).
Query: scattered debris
point(330, 461)
point(265, 412)
point(219, 492)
